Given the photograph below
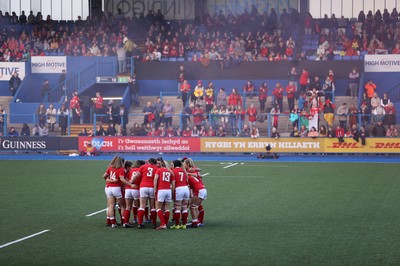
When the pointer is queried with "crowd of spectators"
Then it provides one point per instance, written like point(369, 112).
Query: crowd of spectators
point(224, 38)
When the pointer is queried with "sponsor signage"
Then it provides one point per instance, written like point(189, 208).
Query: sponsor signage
point(372, 145)
point(48, 64)
point(382, 63)
point(239, 145)
point(258, 145)
point(37, 143)
point(144, 144)
point(171, 9)
point(8, 68)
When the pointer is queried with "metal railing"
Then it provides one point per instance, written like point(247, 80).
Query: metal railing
point(231, 123)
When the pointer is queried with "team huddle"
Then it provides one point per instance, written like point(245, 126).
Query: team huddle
point(153, 185)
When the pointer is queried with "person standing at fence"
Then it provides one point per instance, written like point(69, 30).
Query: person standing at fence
point(75, 108)
point(45, 88)
point(123, 117)
point(61, 82)
point(98, 106)
point(185, 89)
point(168, 113)
point(134, 90)
point(63, 119)
point(14, 83)
point(354, 77)
point(41, 115)
point(181, 78)
point(121, 55)
point(158, 112)
point(51, 114)
point(2, 117)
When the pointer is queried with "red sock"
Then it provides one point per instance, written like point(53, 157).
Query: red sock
point(185, 215)
point(112, 219)
point(166, 216)
point(201, 214)
point(140, 216)
point(134, 212)
point(153, 216)
point(160, 216)
point(146, 211)
point(127, 214)
point(108, 221)
point(177, 217)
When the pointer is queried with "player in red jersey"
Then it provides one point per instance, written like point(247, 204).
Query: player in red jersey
point(114, 177)
point(131, 192)
point(181, 196)
point(199, 191)
point(147, 173)
point(163, 181)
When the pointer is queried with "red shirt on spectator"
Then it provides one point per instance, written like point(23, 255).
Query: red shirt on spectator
point(252, 112)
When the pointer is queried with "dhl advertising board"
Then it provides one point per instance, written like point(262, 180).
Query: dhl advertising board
point(372, 145)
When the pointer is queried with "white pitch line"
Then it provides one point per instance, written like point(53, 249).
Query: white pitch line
point(91, 214)
point(24, 238)
point(205, 174)
point(230, 165)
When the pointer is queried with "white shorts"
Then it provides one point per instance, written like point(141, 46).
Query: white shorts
point(112, 192)
point(182, 193)
point(132, 194)
point(202, 194)
point(147, 192)
point(164, 195)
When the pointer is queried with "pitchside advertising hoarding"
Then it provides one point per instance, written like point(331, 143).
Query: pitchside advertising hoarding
point(48, 64)
point(238, 145)
point(382, 63)
point(8, 68)
point(38, 143)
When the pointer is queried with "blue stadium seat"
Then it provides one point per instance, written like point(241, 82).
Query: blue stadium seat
point(180, 59)
point(164, 59)
point(346, 57)
point(173, 59)
point(338, 57)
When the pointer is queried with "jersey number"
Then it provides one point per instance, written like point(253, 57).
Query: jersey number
point(166, 176)
point(182, 175)
point(150, 172)
point(112, 175)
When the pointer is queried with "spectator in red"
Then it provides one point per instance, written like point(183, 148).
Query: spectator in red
point(339, 133)
point(187, 132)
point(185, 89)
point(291, 92)
point(98, 104)
point(252, 113)
point(304, 80)
point(234, 98)
point(275, 114)
point(211, 132)
point(262, 96)
point(198, 116)
point(278, 96)
point(75, 108)
point(249, 89)
point(209, 97)
point(181, 78)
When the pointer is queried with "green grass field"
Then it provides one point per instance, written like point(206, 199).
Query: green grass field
point(265, 213)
